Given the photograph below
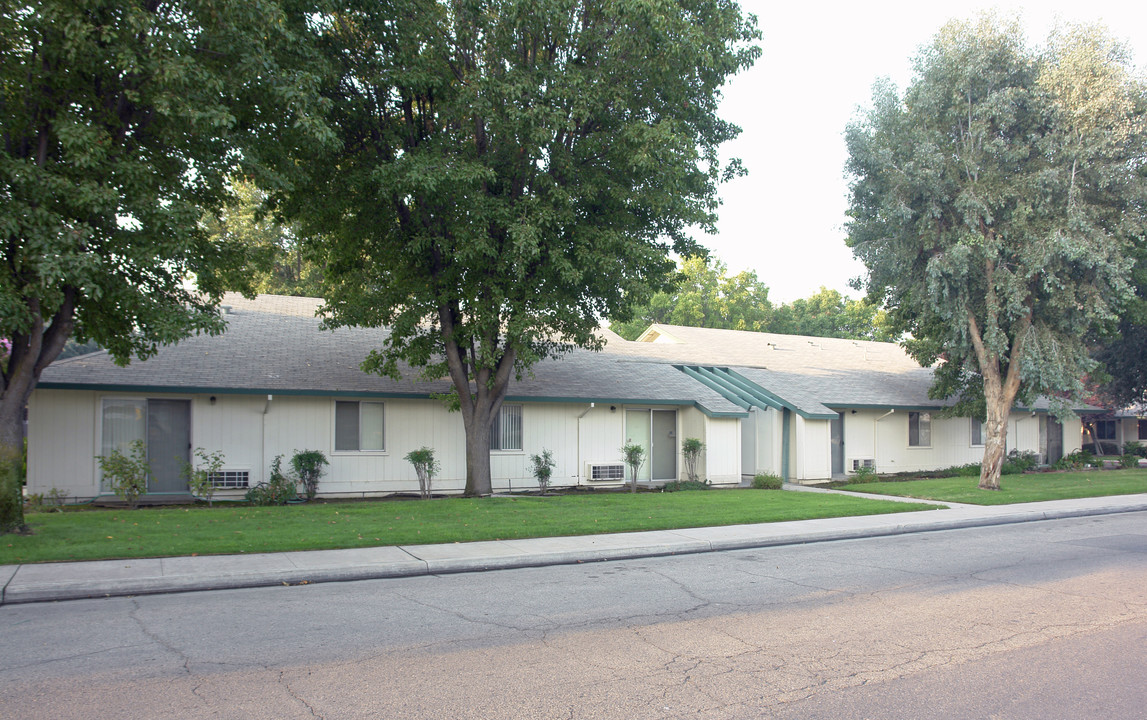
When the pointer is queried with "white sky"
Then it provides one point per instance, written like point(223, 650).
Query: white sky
point(785, 218)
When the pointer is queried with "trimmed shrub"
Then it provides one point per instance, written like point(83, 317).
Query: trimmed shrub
point(634, 457)
point(863, 474)
point(1019, 462)
point(680, 485)
point(1129, 461)
point(276, 490)
point(543, 469)
point(767, 481)
point(691, 449)
point(1134, 447)
point(426, 467)
point(308, 468)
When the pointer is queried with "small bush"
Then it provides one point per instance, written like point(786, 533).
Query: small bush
point(1075, 461)
point(127, 474)
point(543, 469)
point(767, 481)
point(682, 485)
point(1134, 447)
point(201, 478)
point(634, 457)
point(692, 449)
point(308, 467)
point(276, 490)
point(863, 474)
point(969, 470)
point(1129, 461)
point(1019, 462)
point(426, 466)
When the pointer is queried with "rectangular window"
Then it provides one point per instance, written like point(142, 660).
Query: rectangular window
point(123, 421)
point(977, 432)
point(231, 479)
point(359, 426)
point(919, 429)
point(506, 429)
point(1143, 429)
point(1105, 429)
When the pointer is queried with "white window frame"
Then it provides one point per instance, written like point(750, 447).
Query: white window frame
point(922, 417)
point(499, 422)
point(974, 422)
point(360, 451)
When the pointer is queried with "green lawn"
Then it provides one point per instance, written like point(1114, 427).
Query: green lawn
point(92, 534)
point(1015, 488)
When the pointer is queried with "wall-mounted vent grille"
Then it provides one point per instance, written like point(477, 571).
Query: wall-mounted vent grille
point(606, 472)
point(227, 479)
point(858, 463)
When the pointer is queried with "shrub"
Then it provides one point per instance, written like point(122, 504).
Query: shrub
point(308, 467)
point(127, 474)
point(276, 490)
point(201, 478)
point(1129, 461)
point(863, 474)
point(1019, 462)
point(680, 485)
point(692, 449)
point(634, 457)
point(426, 466)
point(768, 481)
point(11, 492)
point(1134, 447)
point(543, 469)
point(1075, 461)
point(969, 470)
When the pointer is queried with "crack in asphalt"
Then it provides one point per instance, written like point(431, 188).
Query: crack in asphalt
point(297, 697)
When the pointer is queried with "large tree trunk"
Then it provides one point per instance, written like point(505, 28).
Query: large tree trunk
point(11, 456)
point(478, 480)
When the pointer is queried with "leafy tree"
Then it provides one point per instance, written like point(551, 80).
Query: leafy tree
point(828, 313)
point(279, 264)
point(119, 121)
point(991, 204)
point(1122, 379)
point(510, 172)
point(704, 296)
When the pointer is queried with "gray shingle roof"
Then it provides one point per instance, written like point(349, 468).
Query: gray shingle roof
point(274, 345)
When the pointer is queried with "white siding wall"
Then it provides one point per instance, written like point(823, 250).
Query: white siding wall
point(63, 445)
point(769, 440)
point(723, 450)
point(691, 422)
point(814, 461)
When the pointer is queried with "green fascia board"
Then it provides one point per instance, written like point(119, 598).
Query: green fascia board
point(778, 399)
point(203, 390)
point(715, 386)
point(941, 408)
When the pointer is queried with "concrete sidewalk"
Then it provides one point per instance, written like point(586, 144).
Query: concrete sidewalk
point(107, 578)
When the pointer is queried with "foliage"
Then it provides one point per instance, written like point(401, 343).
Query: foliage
point(827, 313)
point(1075, 461)
point(52, 501)
point(119, 120)
point(278, 489)
point(1019, 462)
point(279, 262)
point(768, 481)
point(543, 469)
point(684, 485)
point(990, 204)
point(507, 174)
point(201, 477)
point(704, 296)
point(127, 475)
point(633, 455)
point(864, 474)
point(969, 470)
point(692, 448)
point(11, 489)
point(1129, 461)
point(1134, 447)
point(426, 467)
point(308, 469)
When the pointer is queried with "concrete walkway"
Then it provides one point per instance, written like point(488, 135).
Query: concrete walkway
point(107, 578)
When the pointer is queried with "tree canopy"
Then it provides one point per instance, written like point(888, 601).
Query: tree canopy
point(993, 203)
point(119, 123)
point(509, 173)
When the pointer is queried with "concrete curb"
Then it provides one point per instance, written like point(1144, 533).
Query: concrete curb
point(112, 578)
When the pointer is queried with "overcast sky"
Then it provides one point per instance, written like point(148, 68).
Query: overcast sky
point(785, 219)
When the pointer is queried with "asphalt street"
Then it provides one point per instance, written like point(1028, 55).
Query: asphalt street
point(1035, 620)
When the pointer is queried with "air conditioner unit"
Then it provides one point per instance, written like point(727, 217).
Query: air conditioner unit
point(605, 472)
point(858, 463)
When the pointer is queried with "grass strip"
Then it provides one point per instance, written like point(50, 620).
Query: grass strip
point(100, 534)
point(1031, 487)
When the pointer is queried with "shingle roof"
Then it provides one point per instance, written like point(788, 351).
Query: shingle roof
point(274, 345)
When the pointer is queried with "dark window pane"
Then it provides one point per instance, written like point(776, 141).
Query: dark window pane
point(346, 426)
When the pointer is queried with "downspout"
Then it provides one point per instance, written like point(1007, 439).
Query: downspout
point(786, 418)
point(263, 438)
point(578, 453)
point(876, 438)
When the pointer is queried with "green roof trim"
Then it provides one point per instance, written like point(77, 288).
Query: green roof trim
point(735, 377)
point(715, 386)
